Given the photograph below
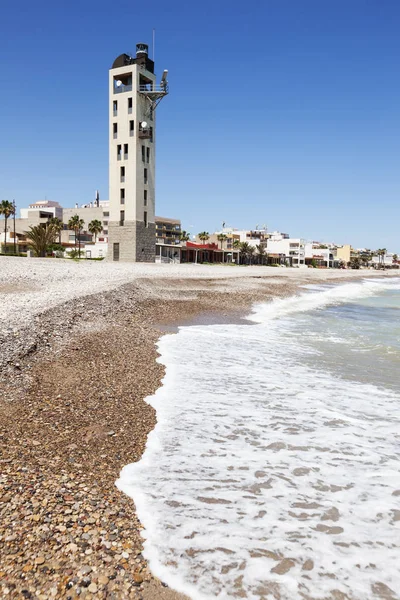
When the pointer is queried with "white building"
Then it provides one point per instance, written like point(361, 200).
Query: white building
point(320, 255)
point(43, 209)
point(291, 250)
point(133, 98)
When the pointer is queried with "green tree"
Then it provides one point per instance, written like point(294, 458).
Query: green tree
point(355, 263)
point(244, 248)
point(204, 236)
point(6, 209)
point(221, 237)
point(184, 236)
point(58, 226)
point(76, 224)
point(251, 251)
point(95, 227)
point(261, 253)
point(395, 258)
point(40, 237)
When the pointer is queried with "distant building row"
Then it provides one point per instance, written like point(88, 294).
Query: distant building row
point(227, 245)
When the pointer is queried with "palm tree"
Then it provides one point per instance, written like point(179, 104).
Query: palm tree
point(250, 252)
point(221, 237)
point(95, 227)
point(76, 224)
point(6, 209)
point(383, 254)
point(58, 226)
point(184, 236)
point(40, 238)
point(395, 258)
point(244, 250)
point(261, 253)
point(236, 246)
point(204, 236)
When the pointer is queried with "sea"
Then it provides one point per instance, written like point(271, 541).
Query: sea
point(274, 468)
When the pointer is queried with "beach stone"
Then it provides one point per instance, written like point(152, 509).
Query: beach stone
point(284, 566)
point(92, 588)
point(85, 570)
point(308, 565)
point(40, 560)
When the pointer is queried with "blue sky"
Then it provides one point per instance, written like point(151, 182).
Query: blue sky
point(284, 112)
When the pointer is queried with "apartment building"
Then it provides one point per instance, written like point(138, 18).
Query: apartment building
point(168, 243)
point(320, 255)
point(286, 250)
point(168, 231)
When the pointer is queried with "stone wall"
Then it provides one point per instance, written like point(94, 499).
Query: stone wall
point(145, 242)
point(137, 243)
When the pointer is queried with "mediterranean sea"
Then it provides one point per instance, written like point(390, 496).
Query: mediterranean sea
point(274, 468)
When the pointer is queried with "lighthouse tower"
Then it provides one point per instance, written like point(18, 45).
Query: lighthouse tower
point(133, 98)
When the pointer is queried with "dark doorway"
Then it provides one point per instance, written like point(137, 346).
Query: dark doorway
point(115, 251)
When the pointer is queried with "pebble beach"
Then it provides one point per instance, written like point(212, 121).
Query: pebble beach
point(77, 360)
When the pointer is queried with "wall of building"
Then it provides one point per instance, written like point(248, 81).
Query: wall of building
point(343, 253)
point(292, 248)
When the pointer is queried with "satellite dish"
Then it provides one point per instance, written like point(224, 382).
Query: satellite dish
point(144, 124)
point(118, 83)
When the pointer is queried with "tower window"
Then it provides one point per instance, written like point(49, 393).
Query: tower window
point(122, 174)
point(115, 130)
point(119, 151)
point(121, 217)
point(143, 153)
point(145, 175)
point(129, 105)
point(125, 151)
point(145, 197)
point(148, 154)
point(131, 128)
point(145, 218)
point(122, 195)
point(115, 108)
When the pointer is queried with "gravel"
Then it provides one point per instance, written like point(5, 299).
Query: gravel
point(77, 360)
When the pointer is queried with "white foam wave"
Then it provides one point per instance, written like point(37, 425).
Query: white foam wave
point(265, 477)
point(315, 300)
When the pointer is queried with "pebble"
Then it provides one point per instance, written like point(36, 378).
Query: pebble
point(57, 512)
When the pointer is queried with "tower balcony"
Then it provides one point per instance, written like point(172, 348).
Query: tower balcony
point(122, 88)
point(145, 133)
point(153, 88)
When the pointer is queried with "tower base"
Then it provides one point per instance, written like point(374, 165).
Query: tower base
point(131, 242)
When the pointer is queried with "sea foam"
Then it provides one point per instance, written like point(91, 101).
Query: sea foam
point(264, 477)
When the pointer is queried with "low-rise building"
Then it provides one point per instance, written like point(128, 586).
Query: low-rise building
point(192, 252)
point(286, 250)
point(320, 255)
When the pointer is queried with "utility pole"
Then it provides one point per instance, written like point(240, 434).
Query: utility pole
point(15, 239)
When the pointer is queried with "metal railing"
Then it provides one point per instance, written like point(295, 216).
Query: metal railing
point(155, 88)
point(122, 88)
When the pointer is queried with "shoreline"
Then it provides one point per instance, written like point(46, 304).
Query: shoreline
point(73, 414)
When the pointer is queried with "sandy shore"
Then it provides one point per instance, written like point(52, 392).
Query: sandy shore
point(77, 360)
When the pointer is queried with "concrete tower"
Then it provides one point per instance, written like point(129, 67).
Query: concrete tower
point(133, 97)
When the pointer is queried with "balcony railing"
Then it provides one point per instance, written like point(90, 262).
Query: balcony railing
point(155, 88)
point(122, 88)
point(146, 134)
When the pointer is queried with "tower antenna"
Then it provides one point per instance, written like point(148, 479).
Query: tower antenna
point(154, 43)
